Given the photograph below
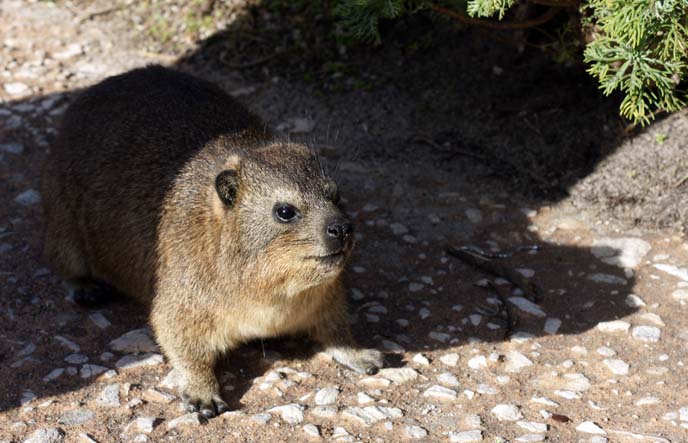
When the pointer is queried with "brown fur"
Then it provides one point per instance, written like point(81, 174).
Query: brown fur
point(131, 201)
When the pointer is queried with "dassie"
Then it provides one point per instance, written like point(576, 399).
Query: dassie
point(162, 187)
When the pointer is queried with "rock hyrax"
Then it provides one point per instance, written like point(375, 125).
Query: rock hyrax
point(164, 188)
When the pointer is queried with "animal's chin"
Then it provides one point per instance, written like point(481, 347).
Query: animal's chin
point(332, 260)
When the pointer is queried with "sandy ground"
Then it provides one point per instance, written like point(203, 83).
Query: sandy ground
point(601, 358)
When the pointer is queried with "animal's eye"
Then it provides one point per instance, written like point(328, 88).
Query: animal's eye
point(285, 213)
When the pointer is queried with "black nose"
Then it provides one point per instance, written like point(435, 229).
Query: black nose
point(340, 230)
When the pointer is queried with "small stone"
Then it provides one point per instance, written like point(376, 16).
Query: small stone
point(28, 198)
point(440, 393)
point(370, 415)
point(527, 306)
point(99, 320)
point(76, 359)
point(375, 382)
point(415, 287)
point(450, 359)
point(606, 352)
point(621, 252)
point(90, 370)
point(486, 389)
point(311, 431)
point(109, 397)
point(424, 313)
point(474, 215)
point(516, 361)
point(552, 325)
point(138, 340)
point(613, 326)
point(478, 362)
point(12, 148)
point(634, 301)
point(530, 438)
point(448, 379)
point(675, 271)
point(174, 380)
point(646, 333)
point(680, 295)
point(154, 396)
point(76, 417)
point(132, 361)
point(653, 318)
point(506, 412)
point(362, 398)
point(326, 396)
point(415, 432)
point(607, 279)
point(421, 360)
point(55, 373)
point(328, 411)
point(262, 419)
point(392, 346)
point(16, 88)
point(466, 436)
point(191, 419)
point(399, 375)
point(68, 343)
point(85, 438)
point(590, 428)
point(683, 413)
point(398, 228)
point(292, 413)
point(648, 401)
point(618, 367)
point(439, 336)
point(46, 435)
point(530, 426)
point(141, 424)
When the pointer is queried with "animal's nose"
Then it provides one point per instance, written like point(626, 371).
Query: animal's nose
point(340, 230)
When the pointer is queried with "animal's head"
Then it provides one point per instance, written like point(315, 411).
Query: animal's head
point(286, 211)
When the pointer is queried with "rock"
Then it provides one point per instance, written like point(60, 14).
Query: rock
point(478, 362)
point(618, 367)
point(653, 318)
point(672, 270)
point(55, 373)
point(622, 252)
point(607, 279)
point(141, 424)
point(448, 379)
point(12, 148)
point(311, 431)
point(399, 375)
point(375, 382)
point(440, 393)
point(648, 401)
point(138, 340)
point(450, 359)
point(474, 215)
point(27, 397)
point(109, 397)
point(154, 396)
point(191, 419)
point(76, 417)
point(506, 412)
point(398, 228)
point(46, 435)
point(590, 428)
point(530, 438)
point(683, 413)
point(85, 438)
point(527, 306)
point(646, 333)
point(132, 361)
point(634, 301)
point(292, 413)
point(68, 343)
point(28, 198)
point(552, 325)
point(415, 432)
point(415, 287)
point(89, 370)
point(392, 346)
point(626, 436)
point(99, 320)
point(17, 88)
point(486, 389)
point(516, 361)
point(530, 426)
point(76, 359)
point(613, 326)
point(370, 415)
point(421, 360)
point(262, 419)
point(680, 295)
point(326, 396)
point(439, 336)
point(362, 398)
point(466, 436)
point(328, 411)
point(174, 380)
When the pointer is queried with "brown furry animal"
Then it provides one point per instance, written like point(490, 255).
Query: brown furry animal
point(164, 188)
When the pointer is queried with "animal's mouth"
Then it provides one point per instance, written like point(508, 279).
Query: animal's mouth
point(332, 258)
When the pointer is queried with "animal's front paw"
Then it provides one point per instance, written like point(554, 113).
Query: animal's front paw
point(209, 407)
point(364, 361)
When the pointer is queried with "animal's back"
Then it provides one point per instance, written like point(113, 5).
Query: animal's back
point(121, 148)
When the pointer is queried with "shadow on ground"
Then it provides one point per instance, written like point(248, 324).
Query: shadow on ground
point(454, 142)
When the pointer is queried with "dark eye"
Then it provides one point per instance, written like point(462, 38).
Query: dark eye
point(285, 213)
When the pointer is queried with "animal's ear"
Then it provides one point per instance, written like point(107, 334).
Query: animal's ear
point(226, 184)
